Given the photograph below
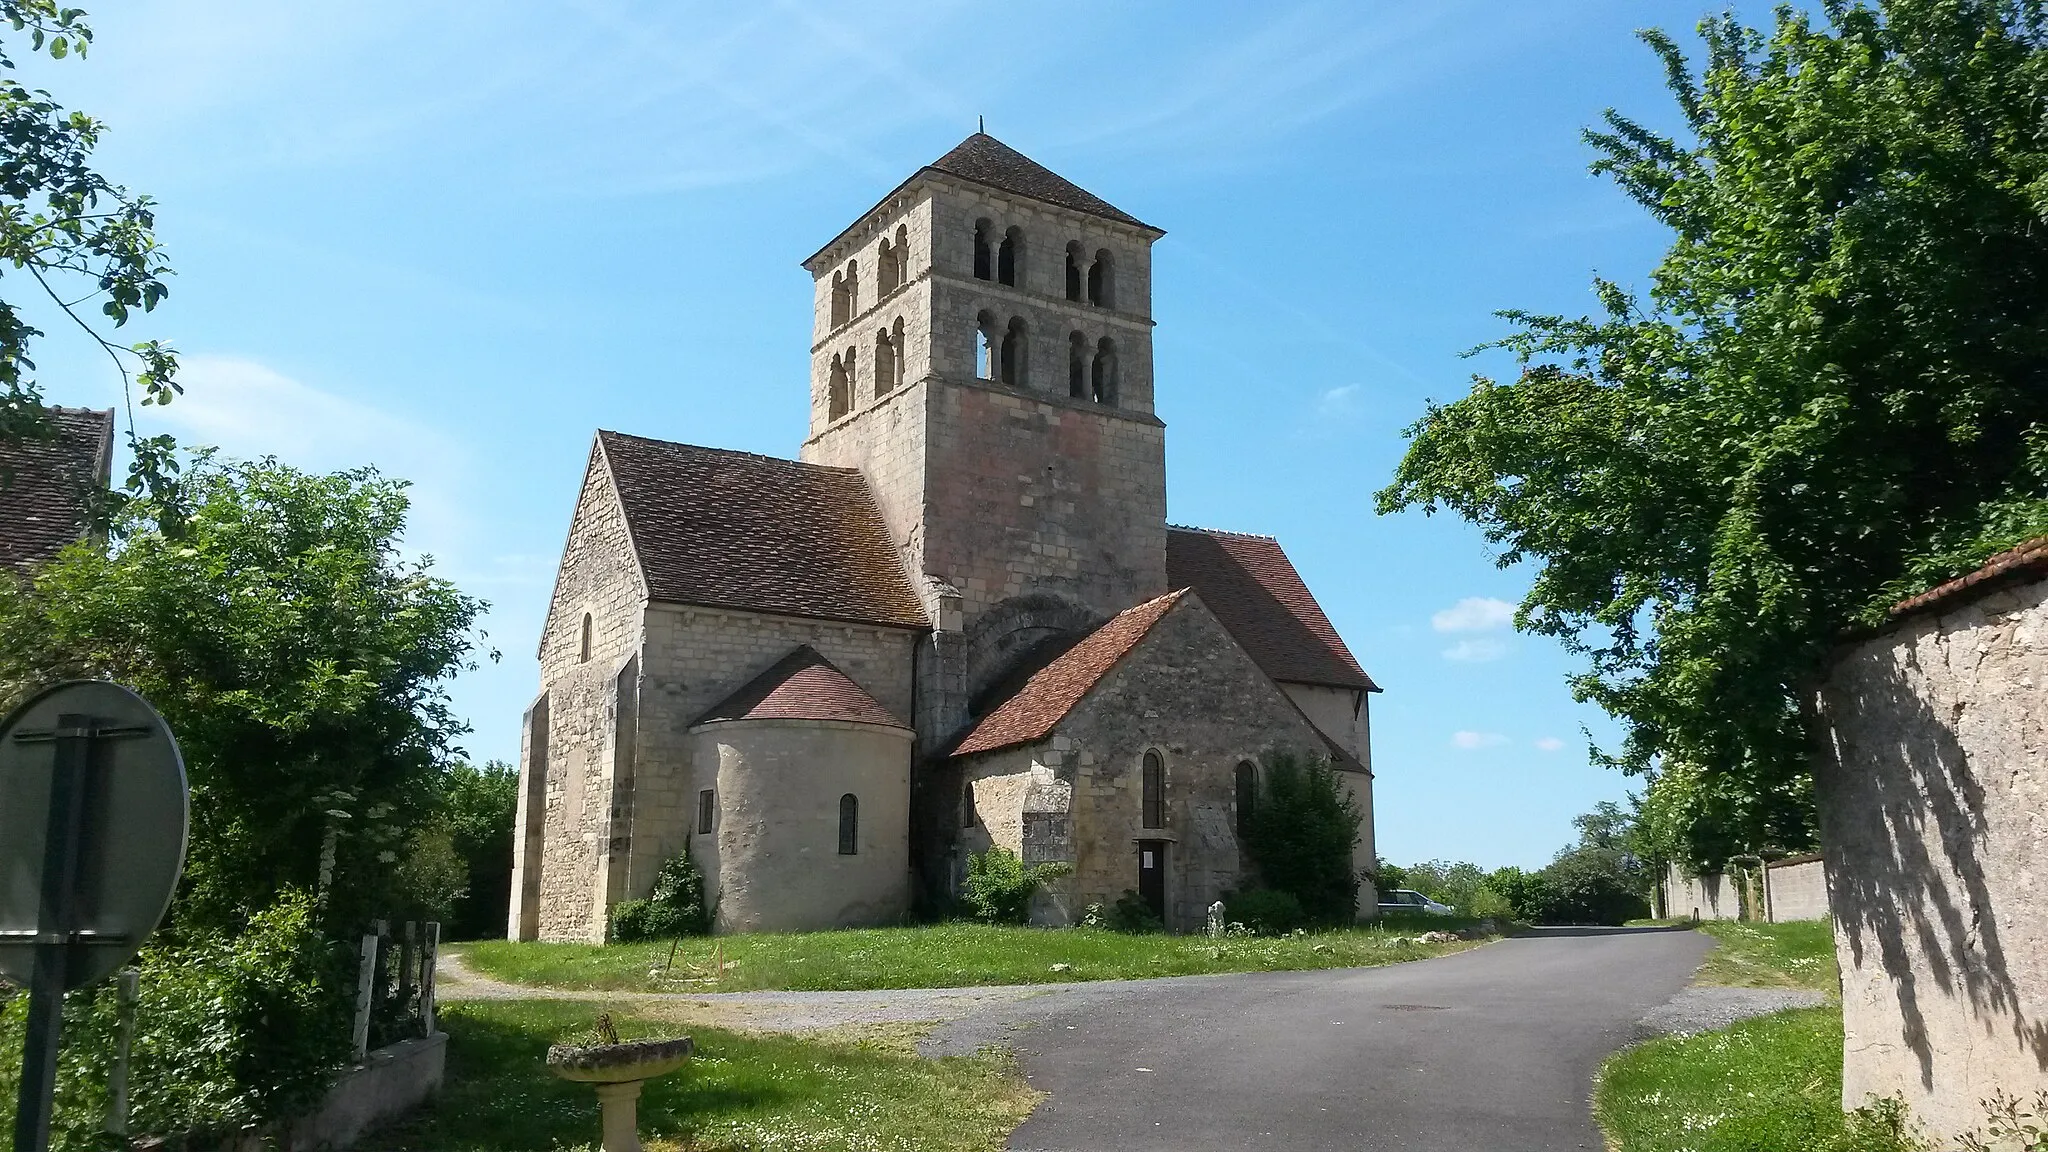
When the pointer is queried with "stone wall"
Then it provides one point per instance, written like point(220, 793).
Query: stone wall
point(1796, 888)
point(1709, 897)
point(1932, 794)
point(1344, 715)
point(772, 859)
point(1186, 692)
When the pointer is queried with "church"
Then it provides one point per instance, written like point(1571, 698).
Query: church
point(960, 618)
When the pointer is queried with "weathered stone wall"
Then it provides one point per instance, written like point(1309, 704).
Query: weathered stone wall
point(697, 657)
point(1796, 889)
point(1933, 802)
point(774, 854)
point(1709, 897)
point(1187, 692)
point(600, 580)
point(1343, 715)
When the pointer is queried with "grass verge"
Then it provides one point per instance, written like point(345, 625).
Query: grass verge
point(1759, 1086)
point(865, 1089)
point(938, 956)
point(1797, 954)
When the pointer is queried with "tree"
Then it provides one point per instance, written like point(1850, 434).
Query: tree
point(300, 660)
point(1832, 395)
point(68, 229)
point(478, 807)
point(1301, 833)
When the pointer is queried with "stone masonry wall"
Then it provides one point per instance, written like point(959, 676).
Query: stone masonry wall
point(1796, 889)
point(1933, 796)
point(697, 657)
point(1187, 692)
point(598, 577)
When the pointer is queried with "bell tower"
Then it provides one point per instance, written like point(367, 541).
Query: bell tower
point(981, 348)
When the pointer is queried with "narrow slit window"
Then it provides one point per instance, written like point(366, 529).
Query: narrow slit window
point(1155, 791)
point(849, 825)
point(583, 643)
point(707, 805)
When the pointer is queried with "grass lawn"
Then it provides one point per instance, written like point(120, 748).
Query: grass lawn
point(1798, 954)
point(863, 1090)
point(937, 956)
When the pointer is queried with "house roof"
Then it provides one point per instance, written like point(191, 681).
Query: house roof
point(801, 686)
point(2006, 567)
point(47, 481)
point(736, 530)
point(986, 160)
point(1251, 586)
point(1053, 692)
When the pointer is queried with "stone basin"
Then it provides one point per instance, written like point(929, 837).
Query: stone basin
point(619, 1063)
point(616, 1071)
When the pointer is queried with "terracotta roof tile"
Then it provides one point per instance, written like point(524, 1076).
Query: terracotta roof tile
point(801, 686)
point(45, 482)
point(986, 160)
point(1049, 695)
point(1251, 586)
point(2006, 567)
point(736, 530)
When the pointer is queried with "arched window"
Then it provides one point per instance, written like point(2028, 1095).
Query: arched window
point(886, 275)
point(902, 254)
point(1010, 258)
point(842, 302)
point(1102, 374)
point(885, 363)
point(583, 644)
point(985, 347)
point(1155, 791)
point(902, 352)
point(1014, 358)
point(838, 391)
point(849, 825)
point(1077, 366)
point(1102, 280)
point(982, 262)
point(852, 288)
point(1247, 795)
point(1077, 256)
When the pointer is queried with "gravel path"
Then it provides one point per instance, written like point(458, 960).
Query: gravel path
point(1705, 1009)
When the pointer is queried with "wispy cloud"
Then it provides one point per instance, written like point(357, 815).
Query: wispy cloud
point(1476, 651)
point(1549, 743)
point(1474, 614)
point(1339, 403)
point(1469, 740)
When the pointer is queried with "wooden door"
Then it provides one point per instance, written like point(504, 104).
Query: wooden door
point(1152, 875)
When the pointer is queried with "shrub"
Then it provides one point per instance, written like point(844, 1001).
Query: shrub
point(1489, 905)
point(1000, 886)
point(1301, 835)
point(676, 907)
point(230, 1031)
point(1264, 911)
point(1131, 914)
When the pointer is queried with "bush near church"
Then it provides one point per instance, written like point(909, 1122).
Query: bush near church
point(1300, 835)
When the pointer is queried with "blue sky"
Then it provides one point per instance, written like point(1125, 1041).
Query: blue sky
point(452, 240)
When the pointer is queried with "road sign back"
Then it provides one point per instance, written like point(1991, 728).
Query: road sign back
point(106, 761)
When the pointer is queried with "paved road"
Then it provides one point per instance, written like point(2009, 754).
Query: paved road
point(1492, 1049)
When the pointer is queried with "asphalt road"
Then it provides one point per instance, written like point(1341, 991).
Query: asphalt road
point(1491, 1049)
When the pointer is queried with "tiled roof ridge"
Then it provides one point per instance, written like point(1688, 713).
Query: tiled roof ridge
point(617, 435)
point(1251, 585)
point(1221, 532)
point(2026, 557)
point(1053, 691)
point(802, 685)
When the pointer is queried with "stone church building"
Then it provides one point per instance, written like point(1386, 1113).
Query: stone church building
point(959, 618)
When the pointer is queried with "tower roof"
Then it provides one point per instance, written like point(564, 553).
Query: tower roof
point(986, 160)
point(801, 686)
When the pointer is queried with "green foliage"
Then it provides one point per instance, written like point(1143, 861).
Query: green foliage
point(1446, 882)
point(1831, 395)
point(1595, 881)
point(300, 659)
point(1264, 911)
point(66, 226)
point(999, 886)
point(676, 907)
point(477, 810)
point(1301, 834)
point(1129, 915)
point(232, 1029)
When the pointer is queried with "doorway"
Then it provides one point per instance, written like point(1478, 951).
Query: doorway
point(1152, 876)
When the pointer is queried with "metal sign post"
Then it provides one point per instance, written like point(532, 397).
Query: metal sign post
point(93, 820)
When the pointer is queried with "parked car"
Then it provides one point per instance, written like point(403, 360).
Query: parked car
point(1409, 900)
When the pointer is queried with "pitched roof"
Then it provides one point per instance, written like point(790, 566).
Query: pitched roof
point(736, 530)
point(986, 160)
point(801, 686)
point(46, 482)
point(1251, 586)
point(1049, 695)
point(2013, 564)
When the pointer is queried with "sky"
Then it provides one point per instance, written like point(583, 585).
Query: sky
point(453, 240)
